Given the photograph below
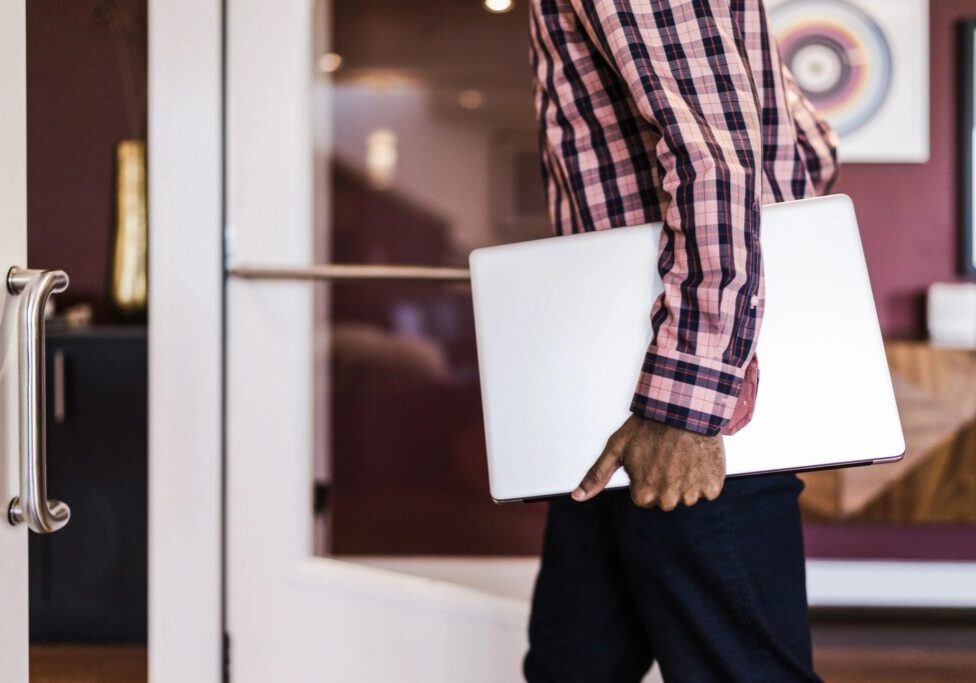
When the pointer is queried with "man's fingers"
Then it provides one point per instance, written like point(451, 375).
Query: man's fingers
point(669, 500)
point(598, 475)
point(690, 498)
point(643, 497)
point(713, 488)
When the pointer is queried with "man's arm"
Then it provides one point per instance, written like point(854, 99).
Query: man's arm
point(688, 73)
point(816, 139)
point(686, 69)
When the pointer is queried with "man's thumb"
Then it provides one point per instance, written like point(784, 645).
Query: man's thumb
point(597, 477)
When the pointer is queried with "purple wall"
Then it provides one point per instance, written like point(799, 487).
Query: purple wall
point(909, 222)
point(909, 213)
point(77, 111)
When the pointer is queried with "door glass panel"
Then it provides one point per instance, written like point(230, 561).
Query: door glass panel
point(86, 111)
point(407, 440)
point(432, 153)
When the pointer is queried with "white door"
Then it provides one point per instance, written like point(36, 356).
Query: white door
point(23, 294)
point(292, 615)
point(13, 246)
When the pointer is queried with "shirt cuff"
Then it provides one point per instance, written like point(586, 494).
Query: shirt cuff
point(686, 391)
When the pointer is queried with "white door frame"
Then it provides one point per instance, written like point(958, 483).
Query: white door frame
point(186, 185)
point(13, 246)
point(185, 340)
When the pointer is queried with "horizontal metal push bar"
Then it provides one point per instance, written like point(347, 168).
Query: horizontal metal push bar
point(352, 272)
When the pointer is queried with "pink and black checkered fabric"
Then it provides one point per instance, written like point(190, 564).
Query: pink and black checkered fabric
point(681, 111)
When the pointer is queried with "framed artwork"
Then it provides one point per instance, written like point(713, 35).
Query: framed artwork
point(865, 65)
point(967, 141)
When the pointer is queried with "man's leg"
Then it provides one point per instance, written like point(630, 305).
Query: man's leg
point(721, 585)
point(584, 625)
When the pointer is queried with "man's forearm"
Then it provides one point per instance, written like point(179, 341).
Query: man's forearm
point(685, 67)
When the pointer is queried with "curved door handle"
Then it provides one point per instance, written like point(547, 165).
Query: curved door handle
point(32, 505)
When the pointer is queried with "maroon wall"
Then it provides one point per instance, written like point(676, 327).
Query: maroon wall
point(909, 213)
point(79, 106)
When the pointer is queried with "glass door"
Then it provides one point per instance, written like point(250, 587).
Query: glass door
point(426, 149)
point(370, 147)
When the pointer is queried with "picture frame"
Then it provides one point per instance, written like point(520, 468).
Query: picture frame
point(967, 143)
point(864, 65)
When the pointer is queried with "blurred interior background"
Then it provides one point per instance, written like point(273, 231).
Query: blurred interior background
point(425, 149)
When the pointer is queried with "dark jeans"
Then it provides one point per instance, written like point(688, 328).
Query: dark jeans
point(714, 592)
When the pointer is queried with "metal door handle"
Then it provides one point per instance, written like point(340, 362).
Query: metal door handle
point(32, 505)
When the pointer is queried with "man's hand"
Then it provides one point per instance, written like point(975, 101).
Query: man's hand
point(666, 465)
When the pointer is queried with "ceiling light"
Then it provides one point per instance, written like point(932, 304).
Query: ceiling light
point(381, 157)
point(498, 6)
point(470, 99)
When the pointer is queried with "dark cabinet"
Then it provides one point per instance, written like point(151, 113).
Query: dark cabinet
point(88, 582)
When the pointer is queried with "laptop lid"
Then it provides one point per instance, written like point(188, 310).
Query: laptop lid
point(562, 325)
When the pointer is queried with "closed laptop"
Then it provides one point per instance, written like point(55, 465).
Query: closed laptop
point(563, 324)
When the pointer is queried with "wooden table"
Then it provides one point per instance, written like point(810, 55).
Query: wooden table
point(936, 481)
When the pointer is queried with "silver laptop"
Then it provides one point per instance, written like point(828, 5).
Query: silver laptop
point(563, 323)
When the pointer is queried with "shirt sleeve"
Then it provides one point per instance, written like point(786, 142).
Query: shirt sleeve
point(685, 67)
point(815, 138)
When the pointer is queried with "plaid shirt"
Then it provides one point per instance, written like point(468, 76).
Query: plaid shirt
point(681, 111)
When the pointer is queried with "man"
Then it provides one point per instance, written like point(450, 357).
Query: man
point(681, 111)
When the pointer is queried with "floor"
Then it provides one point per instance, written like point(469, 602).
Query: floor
point(896, 649)
point(866, 650)
point(87, 663)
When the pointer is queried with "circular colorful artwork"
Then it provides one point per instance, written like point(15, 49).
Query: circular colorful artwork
point(839, 56)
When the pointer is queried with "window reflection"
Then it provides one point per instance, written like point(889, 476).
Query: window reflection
point(432, 153)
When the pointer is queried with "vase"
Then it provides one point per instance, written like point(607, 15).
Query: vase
point(129, 269)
